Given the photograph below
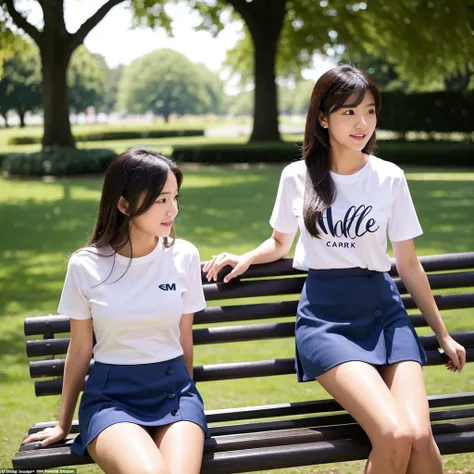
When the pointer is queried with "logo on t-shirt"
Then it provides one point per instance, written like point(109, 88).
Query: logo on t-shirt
point(355, 223)
point(167, 286)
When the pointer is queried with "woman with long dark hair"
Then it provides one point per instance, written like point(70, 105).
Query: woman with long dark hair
point(136, 287)
point(353, 334)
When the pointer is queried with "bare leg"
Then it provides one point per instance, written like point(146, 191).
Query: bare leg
point(124, 448)
point(181, 445)
point(359, 388)
point(405, 381)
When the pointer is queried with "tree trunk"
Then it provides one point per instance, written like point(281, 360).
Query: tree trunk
point(265, 21)
point(265, 124)
point(56, 45)
point(5, 118)
point(21, 114)
point(57, 127)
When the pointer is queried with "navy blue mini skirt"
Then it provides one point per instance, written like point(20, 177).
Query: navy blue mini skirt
point(352, 314)
point(145, 394)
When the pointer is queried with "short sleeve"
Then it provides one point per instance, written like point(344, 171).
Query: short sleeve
point(282, 218)
point(73, 302)
point(193, 296)
point(403, 223)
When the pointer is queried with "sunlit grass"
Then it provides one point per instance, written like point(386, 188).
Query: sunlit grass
point(222, 208)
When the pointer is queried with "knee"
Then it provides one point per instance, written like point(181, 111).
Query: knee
point(422, 440)
point(151, 467)
point(396, 442)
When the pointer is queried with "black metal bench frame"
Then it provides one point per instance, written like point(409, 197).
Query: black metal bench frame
point(283, 435)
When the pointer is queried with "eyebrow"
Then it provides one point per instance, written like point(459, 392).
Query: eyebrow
point(372, 104)
point(177, 191)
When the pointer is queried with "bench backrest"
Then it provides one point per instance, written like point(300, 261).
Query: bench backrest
point(231, 318)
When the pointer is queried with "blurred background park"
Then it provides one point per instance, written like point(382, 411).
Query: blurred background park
point(223, 87)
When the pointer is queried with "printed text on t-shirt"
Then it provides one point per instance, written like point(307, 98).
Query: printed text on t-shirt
point(355, 223)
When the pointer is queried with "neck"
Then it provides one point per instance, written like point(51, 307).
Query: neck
point(346, 161)
point(141, 245)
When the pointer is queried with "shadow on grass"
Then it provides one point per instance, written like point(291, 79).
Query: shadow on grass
point(39, 234)
point(12, 352)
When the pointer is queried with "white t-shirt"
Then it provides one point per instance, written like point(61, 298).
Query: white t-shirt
point(370, 204)
point(136, 317)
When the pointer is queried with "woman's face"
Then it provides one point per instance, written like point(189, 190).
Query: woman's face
point(158, 219)
point(352, 127)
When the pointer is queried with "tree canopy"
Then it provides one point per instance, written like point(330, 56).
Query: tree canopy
point(166, 82)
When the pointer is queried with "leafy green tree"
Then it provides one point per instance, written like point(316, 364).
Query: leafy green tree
point(166, 82)
point(303, 92)
point(86, 81)
point(56, 45)
point(215, 89)
point(281, 37)
point(20, 85)
point(241, 104)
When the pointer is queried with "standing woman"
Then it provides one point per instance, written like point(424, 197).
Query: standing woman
point(136, 288)
point(353, 334)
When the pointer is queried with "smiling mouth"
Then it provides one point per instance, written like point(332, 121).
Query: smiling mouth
point(359, 136)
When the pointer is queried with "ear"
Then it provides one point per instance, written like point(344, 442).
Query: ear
point(322, 120)
point(122, 205)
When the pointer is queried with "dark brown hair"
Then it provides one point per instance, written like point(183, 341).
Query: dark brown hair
point(331, 92)
point(137, 172)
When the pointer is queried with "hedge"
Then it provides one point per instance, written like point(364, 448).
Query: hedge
point(425, 153)
point(57, 161)
point(113, 135)
point(446, 111)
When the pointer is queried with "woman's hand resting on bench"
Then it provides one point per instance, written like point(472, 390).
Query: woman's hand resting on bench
point(239, 263)
point(46, 437)
point(272, 249)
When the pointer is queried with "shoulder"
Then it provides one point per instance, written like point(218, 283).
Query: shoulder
point(386, 169)
point(88, 257)
point(293, 175)
point(184, 249)
point(294, 170)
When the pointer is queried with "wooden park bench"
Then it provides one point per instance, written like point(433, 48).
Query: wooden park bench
point(256, 438)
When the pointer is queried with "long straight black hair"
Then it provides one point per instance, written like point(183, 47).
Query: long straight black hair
point(332, 91)
point(137, 173)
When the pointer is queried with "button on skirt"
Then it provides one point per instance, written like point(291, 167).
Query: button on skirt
point(352, 314)
point(145, 394)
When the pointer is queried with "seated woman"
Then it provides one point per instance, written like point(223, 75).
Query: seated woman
point(136, 287)
point(353, 334)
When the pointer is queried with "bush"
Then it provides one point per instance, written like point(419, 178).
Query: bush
point(113, 135)
point(57, 161)
point(425, 153)
point(238, 153)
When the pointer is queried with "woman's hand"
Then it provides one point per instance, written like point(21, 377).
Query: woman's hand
point(47, 436)
point(239, 263)
point(455, 352)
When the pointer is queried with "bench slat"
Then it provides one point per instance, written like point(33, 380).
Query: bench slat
point(324, 420)
point(238, 370)
point(40, 347)
point(54, 324)
point(451, 441)
point(305, 454)
point(431, 263)
point(289, 409)
point(290, 286)
point(302, 435)
point(55, 367)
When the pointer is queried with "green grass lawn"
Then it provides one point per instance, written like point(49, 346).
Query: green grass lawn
point(222, 208)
